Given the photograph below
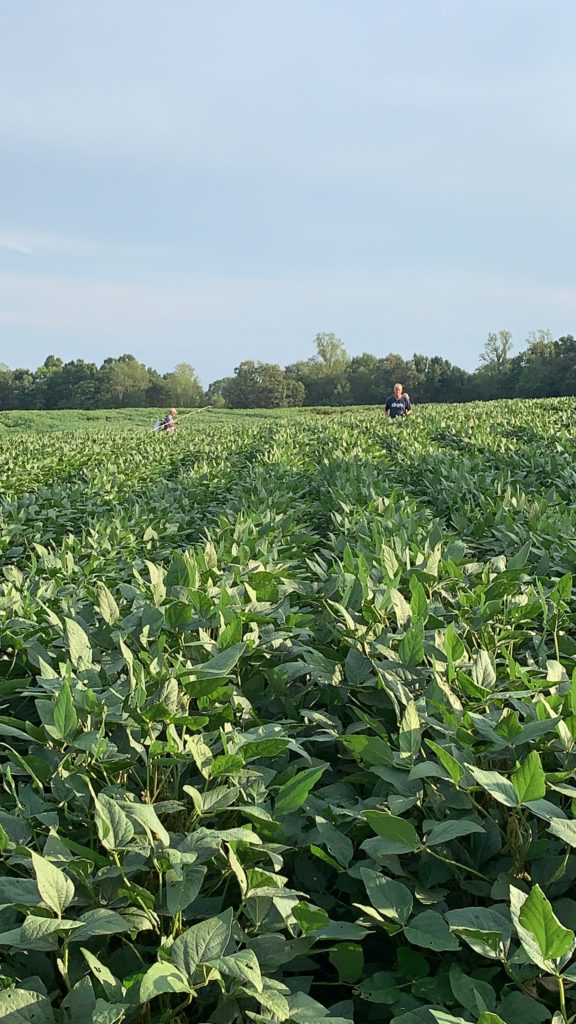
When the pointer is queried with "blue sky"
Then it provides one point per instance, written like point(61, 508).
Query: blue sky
point(217, 182)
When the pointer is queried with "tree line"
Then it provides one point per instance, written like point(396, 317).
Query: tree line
point(545, 368)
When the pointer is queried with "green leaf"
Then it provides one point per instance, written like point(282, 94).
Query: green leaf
point(146, 816)
point(430, 930)
point(108, 1013)
point(536, 919)
point(55, 888)
point(487, 932)
point(219, 666)
point(107, 605)
point(400, 835)
point(411, 647)
point(293, 793)
point(391, 899)
point(517, 1008)
point(264, 748)
point(500, 788)
point(201, 943)
point(564, 829)
point(99, 922)
point(19, 1006)
point(159, 979)
point(275, 1002)
point(336, 841)
point(243, 966)
point(474, 995)
point(380, 987)
point(445, 831)
point(348, 959)
point(452, 766)
point(115, 830)
point(410, 732)
point(401, 608)
point(226, 764)
point(418, 601)
point(357, 667)
point(309, 917)
point(529, 779)
point(65, 717)
point(78, 644)
point(483, 673)
point(103, 974)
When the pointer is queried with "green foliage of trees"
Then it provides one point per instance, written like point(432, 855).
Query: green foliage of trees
point(331, 377)
point(258, 385)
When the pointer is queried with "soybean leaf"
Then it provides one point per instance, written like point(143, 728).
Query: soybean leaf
point(107, 605)
point(542, 935)
point(499, 787)
point(20, 1006)
point(483, 672)
point(293, 793)
point(445, 831)
point(201, 943)
point(348, 959)
point(390, 898)
point(400, 836)
point(564, 829)
point(99, 922)
point(219, 666)
point(55, 888)
point(529, 779)
point(429, 929)
point(65, 717)
point(78, 644)
point(243, 966)
point(410, 732)
point(161, 978)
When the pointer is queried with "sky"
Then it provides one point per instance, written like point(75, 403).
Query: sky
point(213, 182)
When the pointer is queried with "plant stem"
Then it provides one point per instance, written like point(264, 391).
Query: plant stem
point(456, 864)
point(562, 999)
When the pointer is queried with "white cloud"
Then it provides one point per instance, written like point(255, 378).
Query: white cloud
point(14, 245)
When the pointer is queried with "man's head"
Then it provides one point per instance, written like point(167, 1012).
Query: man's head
point(172, 412)
point(398, 389)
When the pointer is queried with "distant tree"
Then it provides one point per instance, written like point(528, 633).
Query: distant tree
point(23, 390)
point(331, 352)
point(216, 392)
point(183, 386)
point(122, 382)
point(46, 377)
point(495, 355)
point(74, 386)
point(362, 373)
point(258, 385)
point(156, 390)
point(324, 375)
point(6, 388)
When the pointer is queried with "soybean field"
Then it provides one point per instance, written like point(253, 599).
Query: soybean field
point(288, 718)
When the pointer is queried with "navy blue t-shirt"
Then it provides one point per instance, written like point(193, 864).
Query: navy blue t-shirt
point(398, 406)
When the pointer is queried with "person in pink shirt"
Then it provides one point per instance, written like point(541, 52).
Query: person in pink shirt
point(168, 424)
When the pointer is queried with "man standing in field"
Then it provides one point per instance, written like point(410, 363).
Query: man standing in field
point(398, 404)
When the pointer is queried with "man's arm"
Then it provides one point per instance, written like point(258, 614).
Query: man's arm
point(408, 409)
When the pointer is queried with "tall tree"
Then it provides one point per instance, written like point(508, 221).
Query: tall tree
point(258, 385)
point(122, 382)
point(331, 352)
point(183, 386)
point(495, 355)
